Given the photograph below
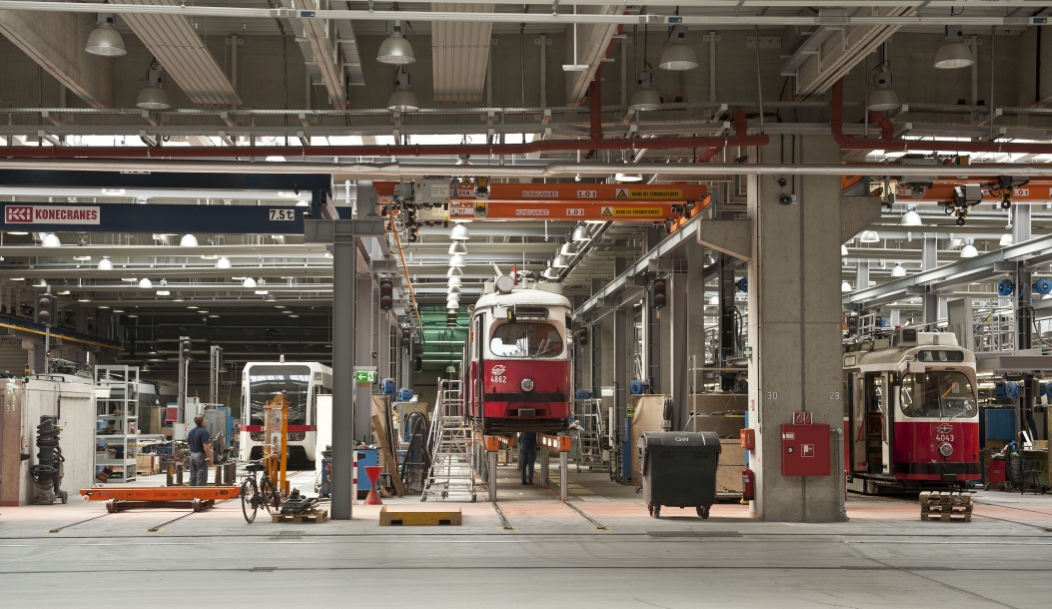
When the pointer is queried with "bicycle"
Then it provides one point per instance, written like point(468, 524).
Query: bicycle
point(256, 495)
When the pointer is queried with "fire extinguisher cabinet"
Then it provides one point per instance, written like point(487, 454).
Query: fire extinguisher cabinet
point(679, 470)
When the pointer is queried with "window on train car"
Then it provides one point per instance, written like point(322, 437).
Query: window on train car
point(265, 382)
point(521, 339)
point(938, 394)
point(940, 356)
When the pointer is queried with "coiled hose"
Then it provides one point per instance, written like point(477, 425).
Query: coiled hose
point(46, 477)
point(417, 461)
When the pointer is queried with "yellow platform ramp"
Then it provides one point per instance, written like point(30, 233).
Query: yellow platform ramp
point(419, 515)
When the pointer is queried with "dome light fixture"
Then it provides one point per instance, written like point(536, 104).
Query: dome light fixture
point(869, 236)
point(953, 53)
point(454, 271)
point(152, 96)
point(402, 98)
point(456, 260)
point(559, 262)
point(459, 232)
point(223, 263)
point(51, 240)
point(845, 287)
point(457, 247)
point(145, 283)
point(550, 274)
point(911, 218)
point(105, 41)
point(395, 50)
point(568, 249)
point(248, 283)
point(881, 97)
point(454, 281)
point(898, 270)
point(1006, 239)
point(678, 55)
point(645, 98)
point(581, 234)
point(969, 251)
point(188, 240)
point(105, 264)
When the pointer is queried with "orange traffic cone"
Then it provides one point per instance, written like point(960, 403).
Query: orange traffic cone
point(373, 498)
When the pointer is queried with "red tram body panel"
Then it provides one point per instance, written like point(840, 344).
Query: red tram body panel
point(517, 369)
point(911, 414)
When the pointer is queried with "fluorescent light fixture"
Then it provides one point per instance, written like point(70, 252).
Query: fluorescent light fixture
point(118, 310)
point(17, 232)
point(213, 316)
point(302, 203)
point(294, 316)
point(261, 292)
point(628, 177)
point(113, 192)
point(104, 307)
point(288, 194)
point(64, 293)
point(82, 258)
point(133, 317)
point(191, 307)
point(163, 293)
point(18, 279)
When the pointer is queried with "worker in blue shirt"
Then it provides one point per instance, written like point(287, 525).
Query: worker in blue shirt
point(200, 452)
point(527, 455)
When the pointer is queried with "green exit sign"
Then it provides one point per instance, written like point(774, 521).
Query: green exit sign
point(747, 352)
point(365, 376)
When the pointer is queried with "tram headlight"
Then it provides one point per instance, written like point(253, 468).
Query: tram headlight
point(297, 436)
point(526, 384)
point(256, 436)
point(945, 449)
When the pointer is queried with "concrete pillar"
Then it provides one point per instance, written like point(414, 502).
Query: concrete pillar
point(929, 260)
point(344, 259)
point(696, 303)
point(862, 276)
point(677, 359)
point(363, 356)
point(794, 327)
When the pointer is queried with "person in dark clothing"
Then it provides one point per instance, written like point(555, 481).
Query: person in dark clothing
point(200, 452)
point(527, 455)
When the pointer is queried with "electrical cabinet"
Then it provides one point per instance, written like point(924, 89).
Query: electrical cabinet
point(805, 450)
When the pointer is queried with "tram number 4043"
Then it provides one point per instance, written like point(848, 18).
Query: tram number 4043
point(944, 437)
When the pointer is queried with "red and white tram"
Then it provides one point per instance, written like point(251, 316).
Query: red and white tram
point(516, 372)
point(301, 383)
point(912, 413)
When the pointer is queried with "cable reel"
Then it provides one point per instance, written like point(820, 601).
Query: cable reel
point(1005, 287)
point(1043, 286)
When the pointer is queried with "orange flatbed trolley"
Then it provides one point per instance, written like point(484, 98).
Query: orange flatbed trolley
point(198, 498)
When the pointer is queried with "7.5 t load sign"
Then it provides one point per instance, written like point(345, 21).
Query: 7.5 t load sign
point(51, 214)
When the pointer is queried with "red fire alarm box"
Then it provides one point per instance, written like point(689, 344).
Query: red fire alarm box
point(748, 439)
point(805, 450)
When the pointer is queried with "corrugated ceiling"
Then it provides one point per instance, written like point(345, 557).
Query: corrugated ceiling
point(175, 43)
point(460, 51)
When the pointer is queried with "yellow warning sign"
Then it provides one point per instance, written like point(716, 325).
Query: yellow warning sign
point(631, 212)
point(649, 194)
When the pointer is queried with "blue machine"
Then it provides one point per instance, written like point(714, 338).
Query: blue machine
point(387, 387)
point(637, 387)
point(742, 284)
point(582, 394)
point(1043, 286)
point(404, 395)
point(366, 456)
point(1005, 287)
point(1006, 390)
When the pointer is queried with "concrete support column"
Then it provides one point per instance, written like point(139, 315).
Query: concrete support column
point(363, 356)
point(929, 260)
point(862, 275)
point(794, 327)
point(676, 347)
point(696, 303)
point(343, 353)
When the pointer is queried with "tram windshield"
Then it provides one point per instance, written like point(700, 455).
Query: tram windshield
point(265, 382)
point(522, 339)
point(942, 394)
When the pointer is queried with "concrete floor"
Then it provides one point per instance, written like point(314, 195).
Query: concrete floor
point(609, 554)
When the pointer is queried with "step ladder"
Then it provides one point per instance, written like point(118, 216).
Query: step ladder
point(452, 474)
point(586, 434)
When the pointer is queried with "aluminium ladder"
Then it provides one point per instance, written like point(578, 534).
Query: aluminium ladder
point(588, 430)
point(452, 471)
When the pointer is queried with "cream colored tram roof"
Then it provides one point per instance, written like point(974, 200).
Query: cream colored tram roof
point(523, 297)
point(895, 355)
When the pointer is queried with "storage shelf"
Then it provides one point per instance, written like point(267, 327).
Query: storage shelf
point(123, 381)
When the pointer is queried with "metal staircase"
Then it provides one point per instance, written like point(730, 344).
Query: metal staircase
point(452, 474)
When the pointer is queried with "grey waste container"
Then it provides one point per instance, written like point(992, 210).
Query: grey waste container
point(679, 469)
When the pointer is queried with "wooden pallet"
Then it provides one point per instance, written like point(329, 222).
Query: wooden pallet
point(315, 516)
point(946, 506)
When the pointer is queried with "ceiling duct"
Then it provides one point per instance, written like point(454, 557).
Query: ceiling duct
point(460, 52)
point(173, 40)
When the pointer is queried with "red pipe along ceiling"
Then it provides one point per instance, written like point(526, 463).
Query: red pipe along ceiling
point(888, 142)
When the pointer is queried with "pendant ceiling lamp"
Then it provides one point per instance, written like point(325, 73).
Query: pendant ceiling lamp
point(105, 41)
point(395, 50)
point(678, 55)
